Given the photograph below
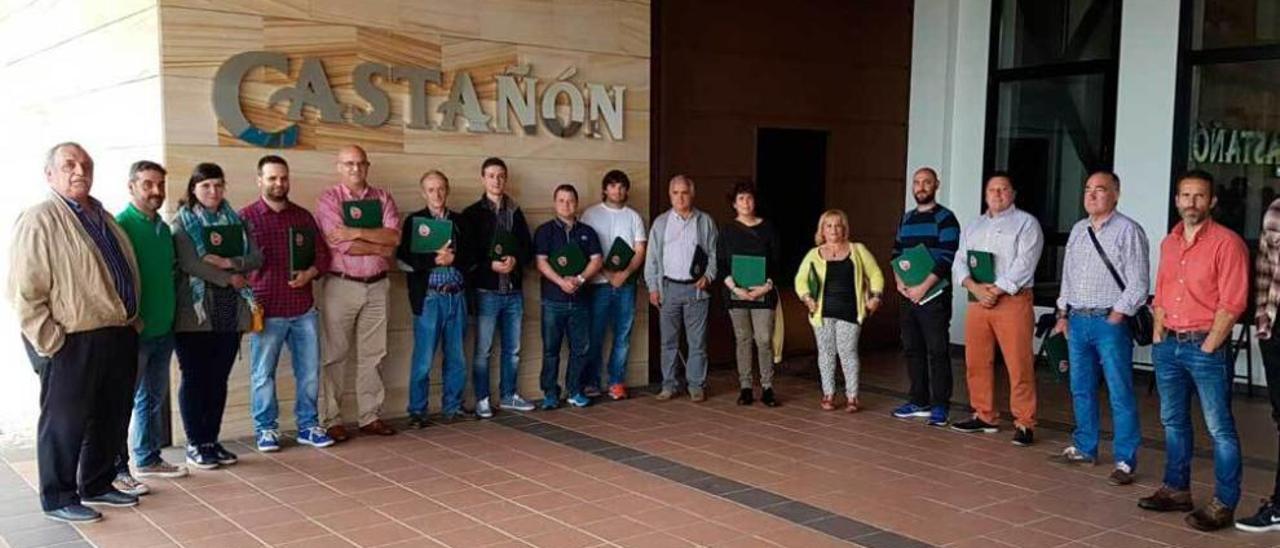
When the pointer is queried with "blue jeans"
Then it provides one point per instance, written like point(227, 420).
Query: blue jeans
point(611, 307)
point(1182, 369)
point(149, 397)
point(495, 311)
point(443, 323)
point(302, 334)
point(1099, 347)
point(560, 319)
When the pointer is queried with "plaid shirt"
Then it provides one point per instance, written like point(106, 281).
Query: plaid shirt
point(1267, 278)
point(270, 231)
point(1086, 282)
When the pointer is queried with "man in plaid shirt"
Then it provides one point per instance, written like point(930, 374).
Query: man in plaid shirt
point(288, 307)
point(1267, 293)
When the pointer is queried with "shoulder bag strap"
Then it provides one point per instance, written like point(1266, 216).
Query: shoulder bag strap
point(1110, 268)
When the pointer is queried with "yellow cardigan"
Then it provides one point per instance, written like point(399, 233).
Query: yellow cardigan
point(865, 268)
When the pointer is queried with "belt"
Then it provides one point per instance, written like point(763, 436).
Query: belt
point(1089, 311)
point(681, 282)
point(1186, 336)
point(362, 279)
point(446, 289)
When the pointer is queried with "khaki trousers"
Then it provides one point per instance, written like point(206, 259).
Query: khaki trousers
point(353, 310)
point(1009, 324)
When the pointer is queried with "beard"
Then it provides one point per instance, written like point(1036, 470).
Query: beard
point(277, 195)
point(923, 198)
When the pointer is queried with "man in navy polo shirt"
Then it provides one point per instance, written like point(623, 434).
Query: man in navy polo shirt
point(565, 309)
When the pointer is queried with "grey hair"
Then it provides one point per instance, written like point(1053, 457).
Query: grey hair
point(682, 177)
point(48, 157)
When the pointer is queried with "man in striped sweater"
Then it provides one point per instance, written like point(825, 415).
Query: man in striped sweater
point(926, 319)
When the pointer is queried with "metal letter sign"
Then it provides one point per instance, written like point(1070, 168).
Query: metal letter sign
point(597, 106)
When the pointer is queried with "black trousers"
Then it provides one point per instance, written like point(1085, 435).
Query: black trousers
point(86, 391)
point(205, 359)
point(1271, 363)
point(926, 343)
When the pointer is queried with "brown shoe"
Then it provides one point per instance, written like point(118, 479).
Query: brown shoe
point(1122, 475)
point(338, 433)
point(852, 405)
point(1212, 517)
point(1166, 500)
point(379, 428)
point(827, 403)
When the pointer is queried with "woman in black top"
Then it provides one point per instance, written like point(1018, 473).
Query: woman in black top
point(750, 307)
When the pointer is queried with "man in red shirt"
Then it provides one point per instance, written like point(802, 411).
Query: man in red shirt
point(282, 230)
point(1201, 288)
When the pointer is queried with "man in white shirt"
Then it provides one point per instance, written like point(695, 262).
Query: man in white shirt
point(1000, 310)
point(612, 292)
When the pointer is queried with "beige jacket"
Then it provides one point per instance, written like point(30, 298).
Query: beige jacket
point(58, 281)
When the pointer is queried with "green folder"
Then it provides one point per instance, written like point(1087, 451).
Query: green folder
point(569, 260)
point(982, 266)
point(362, 213)
point(302, 249)
point(224, 240)
point(914, 265)
point(430, 235)
point(747, 271)
point(620, 255)
point(503, 245)
point(814, 283)
point(1055, 352)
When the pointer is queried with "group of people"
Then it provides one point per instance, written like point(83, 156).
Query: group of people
point(104, 303)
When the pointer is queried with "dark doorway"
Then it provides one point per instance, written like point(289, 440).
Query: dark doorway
point(791, 176)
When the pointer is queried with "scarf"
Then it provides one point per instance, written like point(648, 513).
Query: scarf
point(194, 218)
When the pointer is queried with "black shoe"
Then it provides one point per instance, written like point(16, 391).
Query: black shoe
point(202, 457)
point(454, 418)
point(1166, 500)
point(767, 398)
point(417, 421)
point(1267, 519)
point(1023, 436)
point(975, 425)
point(112, 498)
point(223, 456)
point(74, 513)
point(745, 397)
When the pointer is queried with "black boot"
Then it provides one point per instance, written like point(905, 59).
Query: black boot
point(745, 397)
point(767, 398)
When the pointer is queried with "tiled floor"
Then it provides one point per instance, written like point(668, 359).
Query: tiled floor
point(649, 473)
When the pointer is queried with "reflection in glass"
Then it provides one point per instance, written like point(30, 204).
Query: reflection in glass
point(1235, 23)
point(1040, 32)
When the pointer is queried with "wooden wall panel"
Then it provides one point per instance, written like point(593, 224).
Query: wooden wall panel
point(606, 41)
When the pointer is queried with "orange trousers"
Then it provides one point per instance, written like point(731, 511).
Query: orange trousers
point(1010, 324)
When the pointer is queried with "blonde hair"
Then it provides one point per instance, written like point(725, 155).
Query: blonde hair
point(818, 239)
point(434, 173)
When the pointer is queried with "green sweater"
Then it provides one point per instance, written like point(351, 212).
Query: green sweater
point(153, 245)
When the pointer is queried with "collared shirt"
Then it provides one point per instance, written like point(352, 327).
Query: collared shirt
point(94, 221)
point(270, 232)
point(153, 247)
point(1013, 236)
point(553, 235)
point(611, 224)
point(329, 217)
point(680, 240)
point(939, 231)
point(1199, 278)
point(1267, 278)
point(1086, 282)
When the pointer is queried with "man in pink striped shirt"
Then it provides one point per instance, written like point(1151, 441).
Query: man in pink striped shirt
point(355, 294)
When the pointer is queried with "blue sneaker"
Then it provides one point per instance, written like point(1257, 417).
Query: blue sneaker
point(938, 416)
point(268, 441)
point(315, 437)
point(550, 402)
point(909, 410)
point(579, 400)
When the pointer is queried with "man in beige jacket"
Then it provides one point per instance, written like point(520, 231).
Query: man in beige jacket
point(73, 281)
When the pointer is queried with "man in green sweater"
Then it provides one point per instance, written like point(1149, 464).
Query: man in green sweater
point(153, 246)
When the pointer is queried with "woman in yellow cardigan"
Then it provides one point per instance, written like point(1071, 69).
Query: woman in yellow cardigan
point(841, 284)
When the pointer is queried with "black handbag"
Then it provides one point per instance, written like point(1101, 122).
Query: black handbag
point(1141, 323)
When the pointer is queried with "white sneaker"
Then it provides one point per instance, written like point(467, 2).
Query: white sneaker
point(125, 483)
point(483, 409)
point(517, 403)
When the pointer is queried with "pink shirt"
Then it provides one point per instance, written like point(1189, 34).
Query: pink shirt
point(1199, 278)
point(329, 216)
